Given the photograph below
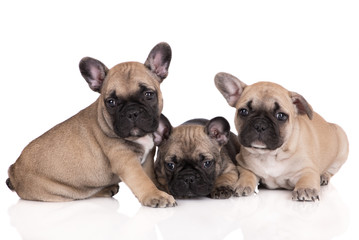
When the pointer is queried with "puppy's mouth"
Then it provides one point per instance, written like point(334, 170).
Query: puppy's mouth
point(259, 145)
point(136, 132)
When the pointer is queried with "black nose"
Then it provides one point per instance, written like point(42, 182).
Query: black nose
point(132, 115)
point(260, 126)
point(189, 178)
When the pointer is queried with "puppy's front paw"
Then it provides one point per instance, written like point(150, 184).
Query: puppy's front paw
point(244, 191)
point(246, 184)
point(221, 192)
point(305, 194)
point(245, 187)
point(158, 199)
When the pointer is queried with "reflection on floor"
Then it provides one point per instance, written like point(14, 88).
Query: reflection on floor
point(267, 215)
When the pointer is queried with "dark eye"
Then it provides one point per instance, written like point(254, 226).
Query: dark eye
point(149, 95)
point(111, 102)
point(281, 116)
point(243, 112)
point(170, 166)
point(207, 164)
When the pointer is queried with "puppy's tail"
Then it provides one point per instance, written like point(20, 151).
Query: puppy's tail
point(9, 184)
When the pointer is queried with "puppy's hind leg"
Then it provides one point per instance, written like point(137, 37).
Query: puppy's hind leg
point(324, 178)
point(109, 191)
point(9, 184)
point(341, 157)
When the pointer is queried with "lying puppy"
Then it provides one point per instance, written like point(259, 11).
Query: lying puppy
point(89, 154)
point(197, 158)
point(284, 144)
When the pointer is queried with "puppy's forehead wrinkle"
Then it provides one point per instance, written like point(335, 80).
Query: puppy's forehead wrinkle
point(276, 107)
point(249, 104)
point(189, 139)
point(127, 78)
point(265, 93)
point(268, 103)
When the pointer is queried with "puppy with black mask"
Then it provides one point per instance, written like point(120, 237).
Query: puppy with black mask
point(110, 141)
point(284, 143)
point(197, 158)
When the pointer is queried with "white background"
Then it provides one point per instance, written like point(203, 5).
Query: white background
point(310, 47)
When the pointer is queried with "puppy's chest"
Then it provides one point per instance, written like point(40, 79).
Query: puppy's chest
point(147, 144)
point(273, 172)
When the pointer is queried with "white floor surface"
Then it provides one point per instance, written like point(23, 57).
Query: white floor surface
point(267, 215)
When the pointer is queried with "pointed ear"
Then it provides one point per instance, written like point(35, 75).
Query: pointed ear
point(218, 129)
point(94, 72)
point(230, 87)
point(302, 106)
point(163, 131)
point(159, 59)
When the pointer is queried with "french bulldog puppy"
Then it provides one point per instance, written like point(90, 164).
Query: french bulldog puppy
point(108, 142)
point(284, 143)
point(197, 158)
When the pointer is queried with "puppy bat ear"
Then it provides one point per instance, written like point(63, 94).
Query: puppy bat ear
point(230, 87)
point(94, 72)
point(163, 131)
point(302, 106)
point(218, 129)
point(159, 59)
